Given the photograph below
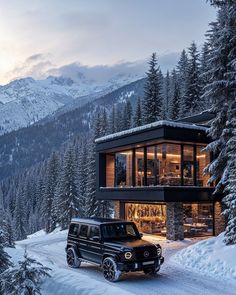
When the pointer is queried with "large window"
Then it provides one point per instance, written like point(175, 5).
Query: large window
point(198, 219)
point(169, 158)
point(203, 159)
point(165, 164)
point(152, 166)
point(123, 169)
point(188, 165)
point(149, 218)
point(139, 167)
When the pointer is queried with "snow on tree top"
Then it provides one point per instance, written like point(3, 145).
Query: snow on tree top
point(160, 123)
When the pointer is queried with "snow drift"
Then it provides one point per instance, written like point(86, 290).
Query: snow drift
point(211, 257)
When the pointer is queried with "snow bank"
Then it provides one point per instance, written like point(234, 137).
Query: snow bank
point(211, 257)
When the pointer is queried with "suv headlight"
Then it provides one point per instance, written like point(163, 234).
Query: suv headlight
point(159, 251)
point(128, 255)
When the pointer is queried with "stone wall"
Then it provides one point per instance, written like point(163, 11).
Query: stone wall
point(219, 218)
point(117, 209)
point(174, 221)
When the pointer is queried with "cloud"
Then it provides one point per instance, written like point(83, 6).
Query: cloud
point(78, 71)
point(35, 66)
point(40, 66)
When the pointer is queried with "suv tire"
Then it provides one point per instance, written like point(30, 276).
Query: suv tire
point(110, 271)
point(72, 258)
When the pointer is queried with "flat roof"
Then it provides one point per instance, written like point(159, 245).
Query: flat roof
point(97, 221)
point(161, 123)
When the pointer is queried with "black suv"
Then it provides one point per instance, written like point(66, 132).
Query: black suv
point(116, 245)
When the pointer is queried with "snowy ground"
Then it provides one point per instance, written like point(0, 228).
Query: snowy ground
point(175, 277)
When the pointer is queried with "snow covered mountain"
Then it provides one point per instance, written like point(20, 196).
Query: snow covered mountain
point(26, 101)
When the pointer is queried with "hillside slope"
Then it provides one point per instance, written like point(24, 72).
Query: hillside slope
point(25, 147)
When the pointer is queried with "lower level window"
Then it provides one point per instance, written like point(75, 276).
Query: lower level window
point(149, 218)
point(198, 219)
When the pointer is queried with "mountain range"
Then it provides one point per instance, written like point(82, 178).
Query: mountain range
point(68, 118)
point(26, 101)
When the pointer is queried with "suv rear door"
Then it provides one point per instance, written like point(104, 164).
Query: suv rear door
point(94, 244)
point(83, 241)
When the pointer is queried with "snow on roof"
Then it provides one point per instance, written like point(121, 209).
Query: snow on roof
point(160, 123)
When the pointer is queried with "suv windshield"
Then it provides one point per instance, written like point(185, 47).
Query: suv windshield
point(120, 231)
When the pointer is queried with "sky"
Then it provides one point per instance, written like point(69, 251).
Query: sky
point(43, 37)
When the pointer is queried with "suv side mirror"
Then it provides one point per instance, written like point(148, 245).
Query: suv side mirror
point(96, 239)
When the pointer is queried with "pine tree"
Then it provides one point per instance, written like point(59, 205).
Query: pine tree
point(19, 217)
point(174, 101)
point(230, 189)
point(50, 193)
point(127, 116)
point(104, 123)
point(26, 278)
point(67, 192)
point(167, 95)
point(82, 177)
point(221, 92)
point(204, 68)
point(5, 262)
point(193, 93)
point(182, 72)
point(152, 103)
point(112, 120)
point(137, 119)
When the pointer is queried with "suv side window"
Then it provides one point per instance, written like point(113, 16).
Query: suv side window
point(74, 229)
point(94, 232)
point(83, 231)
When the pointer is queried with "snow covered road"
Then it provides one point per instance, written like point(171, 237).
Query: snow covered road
point(88, 280)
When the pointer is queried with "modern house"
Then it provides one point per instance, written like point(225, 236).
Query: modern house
point(154, 173)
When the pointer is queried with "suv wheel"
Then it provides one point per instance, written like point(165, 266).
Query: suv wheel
point(110, 271)
point(72, 258)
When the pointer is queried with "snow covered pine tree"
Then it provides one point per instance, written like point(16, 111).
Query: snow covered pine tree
point(221, 92)
point(24, 279)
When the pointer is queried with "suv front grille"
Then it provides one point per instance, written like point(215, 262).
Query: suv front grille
point(143, 253)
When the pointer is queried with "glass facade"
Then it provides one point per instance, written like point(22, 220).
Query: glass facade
point(203, 159)
point(188, 165)
point(152, 166)
point(149, 218)
point(169, 159)
point(139, 167)
point(198, 219)
point(166, 164)
point(123, 169)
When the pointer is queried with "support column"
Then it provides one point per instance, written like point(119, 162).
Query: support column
point(117, 209)
point(174, 221)
point(219, 220)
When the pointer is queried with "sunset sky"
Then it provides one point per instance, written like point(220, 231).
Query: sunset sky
point(37, 37)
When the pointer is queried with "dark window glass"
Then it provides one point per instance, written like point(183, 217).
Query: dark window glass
point(203, 159)
point(198, 219)
point(120, 231)
point(169, 164)
point(152, 166)
point(83, 231)
point(94, 232)
point(139, 167)
point(188, 165)
point(74, 229)
point(123, 168)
